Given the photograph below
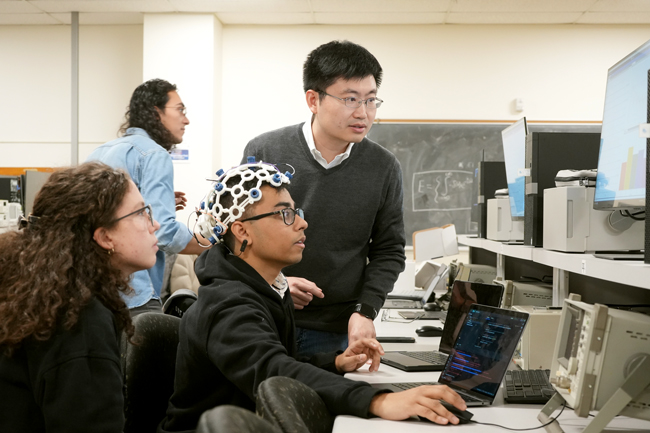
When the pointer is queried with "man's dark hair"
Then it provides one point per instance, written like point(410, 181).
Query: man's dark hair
point(338, 59)
point(142, 111)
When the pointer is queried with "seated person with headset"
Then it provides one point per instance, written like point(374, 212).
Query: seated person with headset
point(241, 330)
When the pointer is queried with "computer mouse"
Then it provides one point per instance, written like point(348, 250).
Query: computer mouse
point(431, 306)
point(463, 415)
point(429, 331)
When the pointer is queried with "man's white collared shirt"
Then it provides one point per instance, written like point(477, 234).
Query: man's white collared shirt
point(309, 136)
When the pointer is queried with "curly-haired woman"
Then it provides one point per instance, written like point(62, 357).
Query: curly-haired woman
point(61, 313)
point(155, 123)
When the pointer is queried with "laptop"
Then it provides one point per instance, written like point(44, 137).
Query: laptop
point(480, 356)
point(417, 298)
point(463, 295)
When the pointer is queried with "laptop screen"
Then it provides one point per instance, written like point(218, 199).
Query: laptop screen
point(483, 349)
point(463, 295)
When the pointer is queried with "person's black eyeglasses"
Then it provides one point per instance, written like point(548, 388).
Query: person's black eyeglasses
point(142, 211)
point(354, 102)
point(288, 215)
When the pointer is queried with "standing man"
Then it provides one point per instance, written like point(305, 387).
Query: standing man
point(155, 123)
point(352, 190)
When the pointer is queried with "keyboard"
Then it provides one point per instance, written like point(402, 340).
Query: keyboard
point(432, 357)
point(527, 386)
point(408, 293)
point(409, 385)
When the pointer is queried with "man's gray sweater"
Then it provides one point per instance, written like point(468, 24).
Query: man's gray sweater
point(355, 239)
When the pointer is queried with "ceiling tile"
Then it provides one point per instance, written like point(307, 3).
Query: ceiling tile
point(513, 18)
point(275, 6)
point(615, 18)
point(521, 5)
point(108, 18)
point(621, 6)
point(152, 6)
point(16, 7)
point(379, 18)
point(265, 18)
point(27, 19)
point(371, 6)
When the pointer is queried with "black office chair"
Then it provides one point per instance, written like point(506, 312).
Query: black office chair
point(179, 301)
point(227, 419)
point(293, 406)
point(148, 369)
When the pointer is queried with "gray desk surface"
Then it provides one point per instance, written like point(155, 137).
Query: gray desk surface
point(511, 415)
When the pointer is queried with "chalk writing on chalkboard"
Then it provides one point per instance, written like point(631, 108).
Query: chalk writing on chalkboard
point(440, 190)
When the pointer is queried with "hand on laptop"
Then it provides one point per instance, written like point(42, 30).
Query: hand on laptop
point(303, 291)
point(358, 353)
point(423, 401)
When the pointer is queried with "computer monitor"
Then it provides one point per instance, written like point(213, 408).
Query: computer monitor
point(10, 187)
point(620, 183)
point(463, 296)
point(514, 153)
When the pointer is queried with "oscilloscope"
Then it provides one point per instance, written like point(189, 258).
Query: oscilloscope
point(601, 362)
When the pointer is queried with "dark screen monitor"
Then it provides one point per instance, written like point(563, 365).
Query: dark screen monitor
point(620, 183)
point(514, 153)
point(463, 295)
point(10, 189)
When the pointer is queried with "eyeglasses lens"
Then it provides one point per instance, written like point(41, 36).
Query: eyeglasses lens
point(149, 212)
point(289, 215)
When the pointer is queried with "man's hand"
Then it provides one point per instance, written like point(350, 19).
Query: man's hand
point(180, 200)
point(423, 401)
point(358, 353)
point(360, 327)
point(303, 291)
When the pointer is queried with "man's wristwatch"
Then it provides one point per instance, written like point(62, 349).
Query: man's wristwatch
point(366, 310)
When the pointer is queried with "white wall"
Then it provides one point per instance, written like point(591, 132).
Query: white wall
point(35, 77)
point(185, 49)
point(430, 72)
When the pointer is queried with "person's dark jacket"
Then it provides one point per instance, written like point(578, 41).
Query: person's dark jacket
point(237, 334)
point(70, 383)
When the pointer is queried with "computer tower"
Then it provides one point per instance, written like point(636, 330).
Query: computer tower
point(546, 154)
point(489, 176)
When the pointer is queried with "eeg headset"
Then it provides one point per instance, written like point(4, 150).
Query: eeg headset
point(214, 219)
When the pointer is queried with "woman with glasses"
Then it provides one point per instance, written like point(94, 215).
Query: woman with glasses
point(60, 306)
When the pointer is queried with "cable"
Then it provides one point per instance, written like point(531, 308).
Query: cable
point(633, 215)
point(523, 429)
point(192, 232)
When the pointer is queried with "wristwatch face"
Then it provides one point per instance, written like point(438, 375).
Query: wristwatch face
point(366, 310)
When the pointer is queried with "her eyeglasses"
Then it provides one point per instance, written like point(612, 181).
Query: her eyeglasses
point(141, 212)
point(288, 215)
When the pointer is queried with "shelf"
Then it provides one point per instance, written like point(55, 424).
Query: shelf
point(518, 251)
point(632, 273)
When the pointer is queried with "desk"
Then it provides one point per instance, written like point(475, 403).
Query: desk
point(511, 415)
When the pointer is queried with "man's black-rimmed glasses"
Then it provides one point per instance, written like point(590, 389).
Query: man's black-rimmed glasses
point(288, 215)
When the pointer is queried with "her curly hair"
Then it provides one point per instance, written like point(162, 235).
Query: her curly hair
point(142, 111)
point(53, 267)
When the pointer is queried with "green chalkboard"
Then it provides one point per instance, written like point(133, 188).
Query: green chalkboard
point(438, 161)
